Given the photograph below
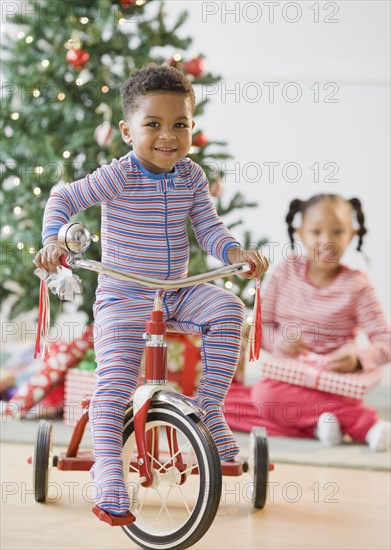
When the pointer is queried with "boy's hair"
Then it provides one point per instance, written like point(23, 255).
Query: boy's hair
point(298, 205)
point(154, 78)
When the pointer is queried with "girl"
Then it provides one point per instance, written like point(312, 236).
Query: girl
point(146, 198)
point(326, 303)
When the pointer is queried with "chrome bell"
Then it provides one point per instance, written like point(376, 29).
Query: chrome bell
point(74, 237)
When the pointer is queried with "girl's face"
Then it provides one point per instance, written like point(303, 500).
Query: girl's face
point(160, 130)
point(326, 232)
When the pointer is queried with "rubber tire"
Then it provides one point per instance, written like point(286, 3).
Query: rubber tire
point(210, 485)
point(43, 445)
point(261, 466)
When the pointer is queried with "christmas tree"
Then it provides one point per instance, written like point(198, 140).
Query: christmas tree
point(60, 109)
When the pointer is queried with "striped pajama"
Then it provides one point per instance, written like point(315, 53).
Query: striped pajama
point(143, 231)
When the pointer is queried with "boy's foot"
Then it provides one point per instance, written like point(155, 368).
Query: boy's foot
point(214, 419)
point(379, 436)
point(328, 430)
point(110, 493)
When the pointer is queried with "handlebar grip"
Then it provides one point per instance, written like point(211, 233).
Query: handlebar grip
point(252, 266)
point(64, 262)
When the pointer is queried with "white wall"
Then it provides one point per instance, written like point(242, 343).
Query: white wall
point(352, 132)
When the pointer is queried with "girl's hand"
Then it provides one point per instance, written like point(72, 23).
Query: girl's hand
point(49, 256)
point(344, 362)
point(292, 348)
point(236, 254)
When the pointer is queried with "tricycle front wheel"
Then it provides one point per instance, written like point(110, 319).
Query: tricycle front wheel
point(179, 507)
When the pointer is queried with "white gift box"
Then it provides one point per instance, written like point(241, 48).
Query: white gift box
point(314, 375)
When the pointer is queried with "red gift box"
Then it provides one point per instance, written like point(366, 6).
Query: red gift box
point(184, 361)
point(312, 374)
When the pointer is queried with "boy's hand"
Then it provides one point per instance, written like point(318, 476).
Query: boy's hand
point(49, 256)
point(344, 362)
point(236, 254)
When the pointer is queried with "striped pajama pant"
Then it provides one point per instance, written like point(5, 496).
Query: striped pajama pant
point(205, 309)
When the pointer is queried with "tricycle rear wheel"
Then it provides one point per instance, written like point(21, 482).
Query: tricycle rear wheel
point(42, 449)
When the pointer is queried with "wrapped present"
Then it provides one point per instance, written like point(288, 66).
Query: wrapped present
point(310, 371)
point(184, 361)
point(79, 384)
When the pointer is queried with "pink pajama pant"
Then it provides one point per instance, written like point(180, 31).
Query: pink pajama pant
point(289, 410)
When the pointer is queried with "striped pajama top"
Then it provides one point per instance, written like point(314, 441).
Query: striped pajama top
point(144, 217)
point(327, 318)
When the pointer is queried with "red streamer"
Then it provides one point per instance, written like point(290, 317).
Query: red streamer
point(256, 328)
point(43, 321)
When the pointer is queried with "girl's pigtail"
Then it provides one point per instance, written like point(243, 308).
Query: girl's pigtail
point(295, 206)
point(362, 230)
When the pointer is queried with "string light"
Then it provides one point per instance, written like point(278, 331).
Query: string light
point(29, 39)
point(61, 96)
point(228, 284)
point(6, 230)
point(38, 169)
point(17, 210)
point(15, 116)
point(66, 154)
point(122, 21)
point(37, 191)
point(84, 20)
point(79, 82)
point(32, 250)
point(36, 93)
point(105, 89)
point(45, 63)
point(191, 150)
point(20, 35)
point(20, 246)
point(140, 2)
point(16, 181)
point(249, 320)
point(95, 238)
point(177, 57)
point(251, 291)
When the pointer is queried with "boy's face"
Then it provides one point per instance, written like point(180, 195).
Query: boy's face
point(160, 130)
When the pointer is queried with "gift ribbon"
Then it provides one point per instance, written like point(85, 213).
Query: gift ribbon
point(256, 325)
point(318, 363)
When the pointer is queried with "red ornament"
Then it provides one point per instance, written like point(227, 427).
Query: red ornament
point(200, 139)
point(126, 3)
point(77, 58)
point(195, 66)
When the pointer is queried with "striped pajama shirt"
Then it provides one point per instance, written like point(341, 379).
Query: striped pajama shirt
point(143, 231)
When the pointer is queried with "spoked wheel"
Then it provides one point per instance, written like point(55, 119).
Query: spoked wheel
point(258, 465)
point(42, 450)
point(178, 509)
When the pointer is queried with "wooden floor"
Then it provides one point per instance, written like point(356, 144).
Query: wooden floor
point(308, 507)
